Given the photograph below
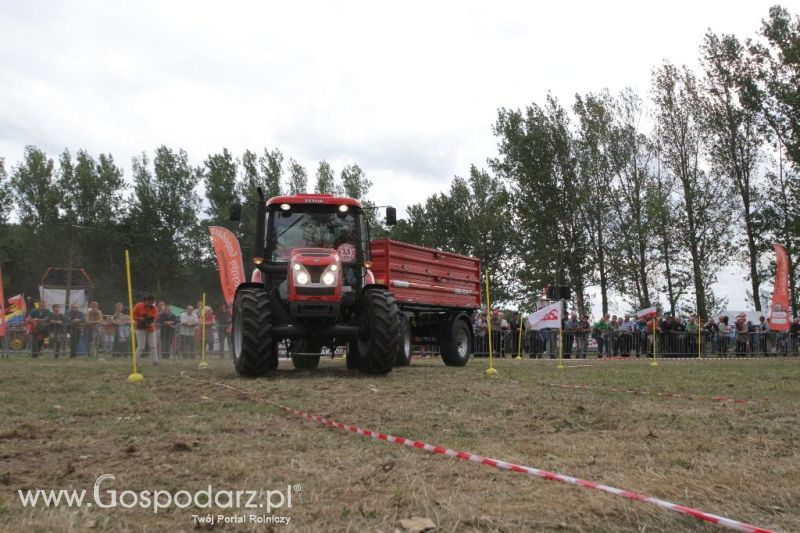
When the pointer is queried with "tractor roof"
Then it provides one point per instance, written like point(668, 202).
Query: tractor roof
point(305, 199)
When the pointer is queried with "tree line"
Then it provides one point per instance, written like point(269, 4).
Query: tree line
point(637, 195)
point(161, 215)
point(641, 195)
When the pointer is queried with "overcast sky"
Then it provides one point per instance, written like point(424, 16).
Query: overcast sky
point(408, 90)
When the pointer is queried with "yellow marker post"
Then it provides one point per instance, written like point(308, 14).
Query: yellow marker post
point(655, 340)
point(560, 337)
point(203, 363)
point(135, 375)
point(491, 370)
point(519, 340)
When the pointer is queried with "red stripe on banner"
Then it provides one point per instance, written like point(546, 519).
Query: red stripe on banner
point(700, 515)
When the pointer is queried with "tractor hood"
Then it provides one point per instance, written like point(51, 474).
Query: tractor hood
point(315, 274)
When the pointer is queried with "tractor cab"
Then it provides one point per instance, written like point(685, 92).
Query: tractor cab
point(321, 244)
point(312, 288)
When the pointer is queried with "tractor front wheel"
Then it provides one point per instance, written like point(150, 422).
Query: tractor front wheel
point(254, 350)
point(379, 329)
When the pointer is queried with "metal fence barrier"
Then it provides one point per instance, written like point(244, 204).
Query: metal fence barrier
point(546, 343)
point(106, 340)
point(112, 340)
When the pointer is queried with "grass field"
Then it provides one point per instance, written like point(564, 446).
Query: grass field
point(64, 423)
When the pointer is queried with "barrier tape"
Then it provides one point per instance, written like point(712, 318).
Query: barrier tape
point(646, 393)
point(643, 359)
point(499, 464)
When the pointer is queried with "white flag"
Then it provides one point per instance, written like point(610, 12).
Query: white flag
point(646, 313)
point(546, 317)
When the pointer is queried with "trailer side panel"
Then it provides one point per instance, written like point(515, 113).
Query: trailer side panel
point(424, 276)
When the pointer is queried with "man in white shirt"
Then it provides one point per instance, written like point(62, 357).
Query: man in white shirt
point(189, 322)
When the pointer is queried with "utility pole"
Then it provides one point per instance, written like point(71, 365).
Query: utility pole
point(69, 269)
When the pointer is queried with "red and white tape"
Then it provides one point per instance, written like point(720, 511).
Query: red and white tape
point(649, 359)
point(647, 393)
point(502, 465)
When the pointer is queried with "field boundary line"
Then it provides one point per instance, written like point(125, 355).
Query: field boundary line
point(647, 393)
point(496, 463)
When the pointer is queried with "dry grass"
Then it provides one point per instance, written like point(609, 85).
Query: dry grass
point(63, 423)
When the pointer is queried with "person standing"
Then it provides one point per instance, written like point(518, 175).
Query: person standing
point(570, 331)
point(90, 331)
point(762, 334)
point(166, 323)
point(37, 326)
point(741, 329)
point(626, 336)
point(74, 321)
point(56, 326)
point(121, 321)
point(582, 337)
point(723, 332)
point(613, 328)
point(145, 315)
point(189, 322)
point(209, 319)
point(794, 332)
point(601, 330)
point(223, 327)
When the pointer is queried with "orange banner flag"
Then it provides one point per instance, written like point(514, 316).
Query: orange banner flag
point(229, 259)
point(779, 310)
point(2, 308)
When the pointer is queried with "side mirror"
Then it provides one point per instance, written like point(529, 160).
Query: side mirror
point(236, 212)
point(391, 216)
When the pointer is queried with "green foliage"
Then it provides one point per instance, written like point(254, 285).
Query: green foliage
point(164, 218)
point(538, 159)
point(5, 193)
point(326, 180)
point(298, 178)
point(733, 140)
point(580, 195)
point(354, 183)
point(705, 203)
point(35, 189)
point(774, 89)
point(219, 173)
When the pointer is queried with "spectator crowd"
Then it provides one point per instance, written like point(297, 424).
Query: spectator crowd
point(91, 332)
point(632, 336)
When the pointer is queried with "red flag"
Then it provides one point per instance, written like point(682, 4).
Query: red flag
point(229, 259)
point(2, 308)
point(779, 310)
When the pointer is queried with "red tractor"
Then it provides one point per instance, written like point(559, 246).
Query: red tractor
point(314, 287)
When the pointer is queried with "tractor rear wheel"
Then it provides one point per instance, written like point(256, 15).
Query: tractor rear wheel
point(352, 355)
point(404, 342)
point(456, 347)
point(379, 328)
point(305, 362)
point(254, 351)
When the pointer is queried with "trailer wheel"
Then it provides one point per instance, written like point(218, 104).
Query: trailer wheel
point(378, 331)
point(254, 351)
point(404, 342)
point(457, 349)
point(306, 362)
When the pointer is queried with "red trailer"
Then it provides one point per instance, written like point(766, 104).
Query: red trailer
point(319, 283)
point(436, 293)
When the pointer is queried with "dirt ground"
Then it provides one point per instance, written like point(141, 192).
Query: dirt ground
point(64, 423)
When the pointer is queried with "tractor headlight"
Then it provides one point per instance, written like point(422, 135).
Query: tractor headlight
point(330, 275)
point(301, 276)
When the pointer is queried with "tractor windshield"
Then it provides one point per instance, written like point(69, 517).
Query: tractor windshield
point(315, 228)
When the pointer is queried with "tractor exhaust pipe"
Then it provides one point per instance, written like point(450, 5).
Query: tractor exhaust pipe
point(261, 215)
